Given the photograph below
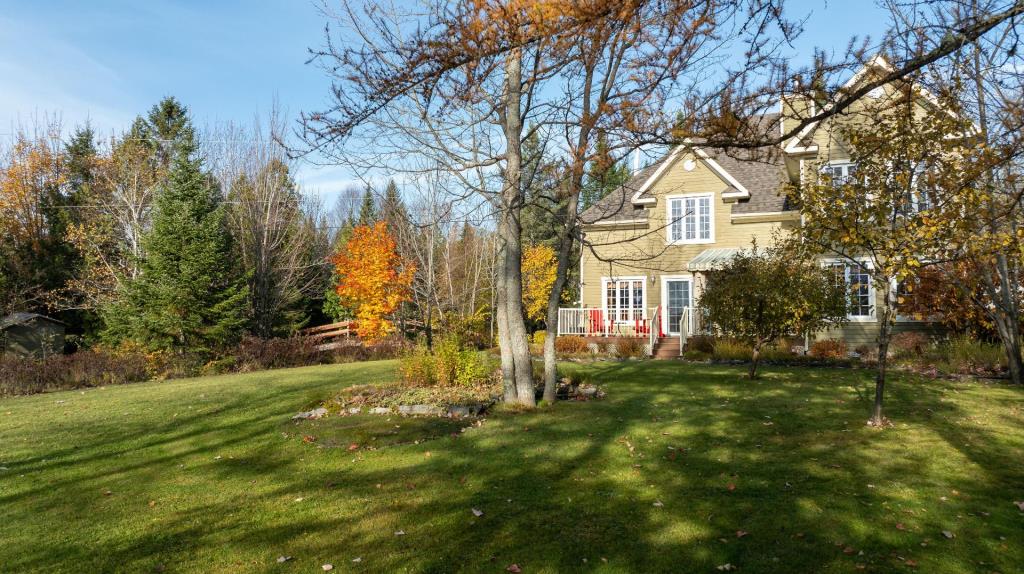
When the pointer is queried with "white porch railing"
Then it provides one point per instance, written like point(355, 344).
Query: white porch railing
point(690, 323)
point(646, 323)
point(595, 322)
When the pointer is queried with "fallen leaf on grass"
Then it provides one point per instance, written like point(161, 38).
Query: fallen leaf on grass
point(910, 563)
point(399, 533)
point(513, 568)
point(152, 503)
point(900, 526)
point(948, 534)
point(741, 533)
point(478, 513)
point(357, 560)
point(327, 567)
point(849, 550)
point(1019, 505)
point(726, 567)
point(353, 446)
point(283, 559)
point(658, 503)
point(731, 487)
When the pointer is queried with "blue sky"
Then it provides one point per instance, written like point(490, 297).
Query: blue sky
point(110, 60)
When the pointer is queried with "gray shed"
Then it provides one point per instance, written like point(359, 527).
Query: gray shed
point(31, 335)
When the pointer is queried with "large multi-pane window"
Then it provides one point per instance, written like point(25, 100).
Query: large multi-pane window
point(624, 299)
point(840, 173)
point(691, 219)
point(857, 281)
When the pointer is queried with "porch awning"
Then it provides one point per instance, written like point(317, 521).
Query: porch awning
point(710, 259)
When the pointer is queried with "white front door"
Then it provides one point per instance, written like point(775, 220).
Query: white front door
point(676, 295)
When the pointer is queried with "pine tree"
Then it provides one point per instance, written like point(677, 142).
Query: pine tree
point(392, 210)
point(190, 296)
point(544, 210)
point(368, 210)
point(604, 174)
point(167, 129)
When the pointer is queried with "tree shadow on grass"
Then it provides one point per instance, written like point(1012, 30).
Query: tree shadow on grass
point(679, 469)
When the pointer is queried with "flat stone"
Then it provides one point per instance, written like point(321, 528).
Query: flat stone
point(421, 410)
point(313, 414)
point(380, 410)
point(354, 410)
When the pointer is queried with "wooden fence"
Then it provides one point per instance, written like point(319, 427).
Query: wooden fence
point(327, 337)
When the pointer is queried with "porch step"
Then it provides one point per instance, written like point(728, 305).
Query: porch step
point(667, 348)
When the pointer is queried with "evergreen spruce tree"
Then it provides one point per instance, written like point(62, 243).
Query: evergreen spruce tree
point(392, 210)
point(167, 129)
point(604, 174)
point(545, 205)
point(190, 296)
point(368, 210)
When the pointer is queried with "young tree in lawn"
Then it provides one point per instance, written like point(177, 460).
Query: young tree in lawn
point(761, 295)
point(373, 279)
point(912, 193)
point(190, 295)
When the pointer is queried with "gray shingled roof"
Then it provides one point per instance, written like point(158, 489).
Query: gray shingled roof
point(763, 177)
point(618, 205)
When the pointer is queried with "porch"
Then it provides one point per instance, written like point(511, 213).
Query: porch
point(654, 324)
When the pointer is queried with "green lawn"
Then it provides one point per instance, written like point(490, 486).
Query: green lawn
point(210, 475)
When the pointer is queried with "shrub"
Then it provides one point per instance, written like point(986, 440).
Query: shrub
point(828, 349)
point(970, 356)
point(629, 348)
point(23, 376)
point(909, 344)
point(730, 350)
point(538, 337)
point(451, 364)
point(571, 345)
point(696, 356)
point(255, 354)
point(867, 353)
point(702, 343)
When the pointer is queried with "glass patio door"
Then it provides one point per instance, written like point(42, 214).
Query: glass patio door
point(677, 298)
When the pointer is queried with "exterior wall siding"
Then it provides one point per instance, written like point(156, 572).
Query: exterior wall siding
point(644, 250)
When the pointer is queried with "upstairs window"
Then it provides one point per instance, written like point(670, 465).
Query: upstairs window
point(840, 173)
point(691, 219)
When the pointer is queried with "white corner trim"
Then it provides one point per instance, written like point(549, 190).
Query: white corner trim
point(741, 191)
point(877, 61)
point(654, 177)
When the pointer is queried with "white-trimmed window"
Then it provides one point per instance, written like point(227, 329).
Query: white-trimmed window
point(624, 298)
point(857, 280)
point(840, 172)
point(691, 218)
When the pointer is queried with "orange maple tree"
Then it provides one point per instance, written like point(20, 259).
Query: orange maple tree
point(373, 279)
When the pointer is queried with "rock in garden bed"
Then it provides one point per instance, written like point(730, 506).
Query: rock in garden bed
point(397, 398)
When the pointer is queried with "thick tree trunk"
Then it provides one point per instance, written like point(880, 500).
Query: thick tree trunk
point(517, 368)
point(566, 241)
